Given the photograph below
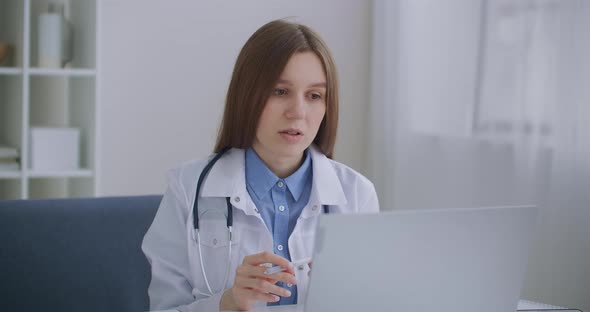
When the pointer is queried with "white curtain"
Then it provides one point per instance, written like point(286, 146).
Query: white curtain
point(533, 93)
point(481, 103)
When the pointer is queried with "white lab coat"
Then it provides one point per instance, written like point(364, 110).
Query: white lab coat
point(172, 252)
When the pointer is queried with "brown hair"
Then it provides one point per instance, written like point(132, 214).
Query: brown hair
point(258, 67)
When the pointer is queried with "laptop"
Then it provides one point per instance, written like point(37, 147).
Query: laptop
point(444, 260)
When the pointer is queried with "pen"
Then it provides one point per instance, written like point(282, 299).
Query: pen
point(278, 268)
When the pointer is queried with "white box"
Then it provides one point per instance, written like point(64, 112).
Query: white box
point(55, 149)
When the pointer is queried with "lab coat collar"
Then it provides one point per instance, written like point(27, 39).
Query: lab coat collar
point(227, 178)
point(326, 187)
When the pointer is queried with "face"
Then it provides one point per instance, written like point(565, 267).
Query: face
point(294, 111)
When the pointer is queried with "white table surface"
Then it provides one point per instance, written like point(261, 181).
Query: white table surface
point(522, 305)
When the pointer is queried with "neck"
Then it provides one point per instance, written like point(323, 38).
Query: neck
point(282, 167)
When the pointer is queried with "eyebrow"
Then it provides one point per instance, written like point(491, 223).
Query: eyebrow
point(313, 85)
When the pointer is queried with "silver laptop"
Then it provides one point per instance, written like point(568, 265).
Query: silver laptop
point(444, 260)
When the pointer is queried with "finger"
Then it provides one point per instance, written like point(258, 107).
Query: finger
point(284, 277)
point(252, 294)
point(249, 271)
point(259, 272)
point(270, 269)
point(244, 281)
point(290, 269)
point(263, 286)
point(266, 257)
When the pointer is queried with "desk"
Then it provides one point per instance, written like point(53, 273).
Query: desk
point(524, 305)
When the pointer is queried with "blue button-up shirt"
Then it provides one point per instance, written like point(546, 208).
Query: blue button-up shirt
point(280, 202)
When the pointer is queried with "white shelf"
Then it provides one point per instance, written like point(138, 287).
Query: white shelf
point(66, 72)
point(61, 174)
point(10, 71)
point(9, 174)
point(32, 96)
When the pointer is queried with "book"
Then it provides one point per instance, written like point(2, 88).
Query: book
point(8, 152)
point(9, 166)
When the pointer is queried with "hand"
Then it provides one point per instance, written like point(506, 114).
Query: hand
point(251, 284)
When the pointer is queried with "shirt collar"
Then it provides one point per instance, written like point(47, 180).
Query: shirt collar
point(258, 176)
point(227, 179)
point(297, 181)
point(261, 179)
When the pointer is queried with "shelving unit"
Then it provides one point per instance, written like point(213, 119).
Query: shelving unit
point(31, 96)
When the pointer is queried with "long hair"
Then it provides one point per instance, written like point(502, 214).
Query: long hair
point(258, 67)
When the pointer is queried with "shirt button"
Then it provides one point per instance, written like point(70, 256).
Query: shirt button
point(314, 208)
point(237, 199)
point(256, 209)
point(215, 241)
point(280, 184)
point(281, 208)
point(280, 247)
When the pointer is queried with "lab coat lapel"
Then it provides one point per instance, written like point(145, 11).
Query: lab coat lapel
point(326, 187)
point(227, 178)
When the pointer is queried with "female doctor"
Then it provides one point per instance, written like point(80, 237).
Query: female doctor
point(261, 194)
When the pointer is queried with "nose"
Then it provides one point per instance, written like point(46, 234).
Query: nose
point(296, 108)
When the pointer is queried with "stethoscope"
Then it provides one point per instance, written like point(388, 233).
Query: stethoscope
point(229, 223)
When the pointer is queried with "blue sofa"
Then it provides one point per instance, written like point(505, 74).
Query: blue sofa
point(75, 254)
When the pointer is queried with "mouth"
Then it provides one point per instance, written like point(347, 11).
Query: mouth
point(292, 132)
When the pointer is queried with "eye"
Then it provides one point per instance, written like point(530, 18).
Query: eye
point(316, 96)
point(279, 91)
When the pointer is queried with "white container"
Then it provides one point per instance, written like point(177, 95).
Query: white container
point(55, 149)
point(55, 38)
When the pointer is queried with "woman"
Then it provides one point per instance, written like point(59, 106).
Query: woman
point(273, 177)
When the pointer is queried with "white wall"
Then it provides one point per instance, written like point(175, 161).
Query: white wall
point(166, 66)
